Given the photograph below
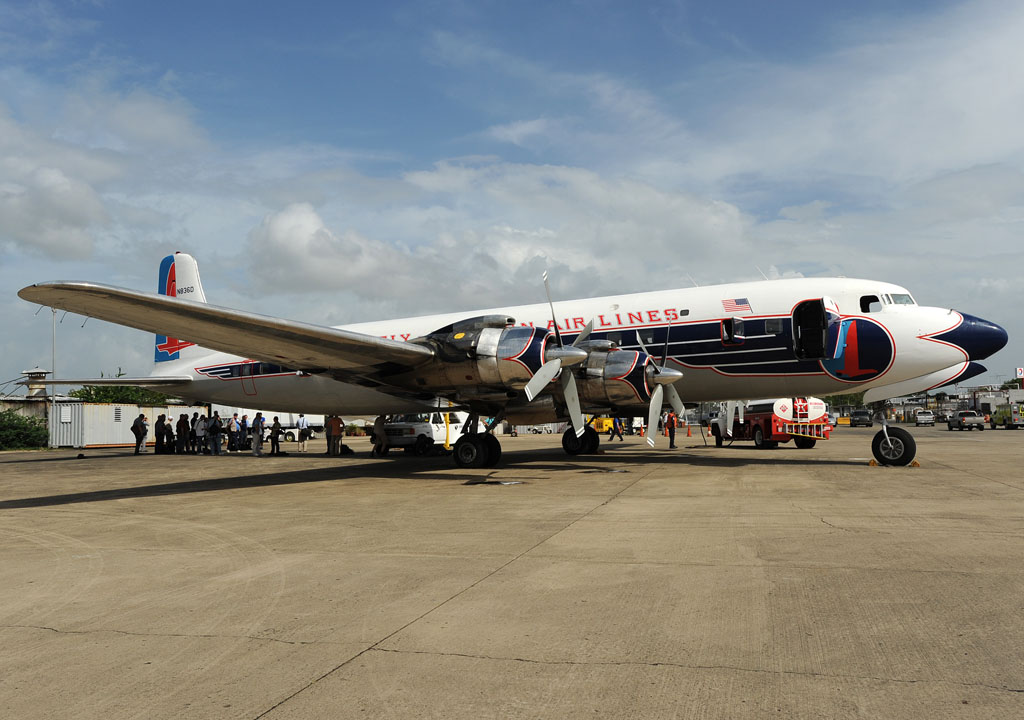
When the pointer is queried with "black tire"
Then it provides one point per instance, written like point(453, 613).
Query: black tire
point(289, 436)
point(470, 452)
point(571, 444)
point(591, 441)
point(980, 428)
point(493, 448)
point(805, 443)
point(759, 441)
point(718, 436)
point(899, 450)
point(422, 446)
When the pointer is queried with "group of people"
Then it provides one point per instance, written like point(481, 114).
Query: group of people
point(202, 435)
point(668, 422)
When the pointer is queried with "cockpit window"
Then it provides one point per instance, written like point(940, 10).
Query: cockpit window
point(870, 304)
point(903, 299)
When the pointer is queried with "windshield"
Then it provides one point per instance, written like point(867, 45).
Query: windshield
point(902, 299)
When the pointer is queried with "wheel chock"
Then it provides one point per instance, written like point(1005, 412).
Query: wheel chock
point(874, 463)
point(915, 463)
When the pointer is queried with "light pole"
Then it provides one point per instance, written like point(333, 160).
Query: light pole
point(53, 388)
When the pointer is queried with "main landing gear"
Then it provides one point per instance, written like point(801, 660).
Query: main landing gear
point(477, 450)
point(585, 444)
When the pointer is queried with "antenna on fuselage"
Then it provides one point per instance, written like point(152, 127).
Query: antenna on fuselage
point(695, 283)
point(762, 272)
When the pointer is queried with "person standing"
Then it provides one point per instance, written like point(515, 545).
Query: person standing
point(380, 437)
point(257, 435)
point(233, 428)
point(169, 436)
point(158, 434)
point(304, 432)
point(139, 429)
point(670, 424)
point(275, 437)
point(616, 429)
point(337, 428)
point(193, 439)
point(200, 428)
point(213, 431)
point(329, 432)
point(184, 428)
point(243, 433)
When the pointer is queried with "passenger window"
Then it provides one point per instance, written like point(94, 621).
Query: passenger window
point(870, 304)
point(615, 337)
point(647, 336)
point(773, 326)
point(684, 313)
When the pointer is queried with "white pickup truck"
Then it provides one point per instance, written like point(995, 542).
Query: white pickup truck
point(966, 420)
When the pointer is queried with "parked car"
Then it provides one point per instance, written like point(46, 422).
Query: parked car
point(925, 417)
point(966, 420)
point(861, 418)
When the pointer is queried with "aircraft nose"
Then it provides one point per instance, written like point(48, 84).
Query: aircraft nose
point(980, 338)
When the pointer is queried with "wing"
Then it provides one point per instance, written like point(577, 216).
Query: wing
point(293, 344)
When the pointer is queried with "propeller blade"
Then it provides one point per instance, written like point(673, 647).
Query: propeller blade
point(675, 401)
point(547, 289)
point(653, 413)
point(584, 334)
point(541, 378)
point(572, 402)
point(641, 342)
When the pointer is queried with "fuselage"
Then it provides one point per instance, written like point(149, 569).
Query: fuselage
point(734, 341)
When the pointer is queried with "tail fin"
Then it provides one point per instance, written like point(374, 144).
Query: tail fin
point(179, 277)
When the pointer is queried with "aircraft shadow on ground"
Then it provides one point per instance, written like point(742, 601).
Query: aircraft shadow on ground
point(543, 463)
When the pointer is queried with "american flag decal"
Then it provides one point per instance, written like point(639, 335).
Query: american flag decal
point(736, 305)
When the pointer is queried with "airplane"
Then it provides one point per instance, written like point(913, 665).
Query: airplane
point(624, 354)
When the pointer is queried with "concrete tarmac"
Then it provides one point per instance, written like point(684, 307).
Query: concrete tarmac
point(637, 583)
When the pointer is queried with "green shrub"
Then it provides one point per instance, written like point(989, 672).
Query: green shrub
point(18, 432)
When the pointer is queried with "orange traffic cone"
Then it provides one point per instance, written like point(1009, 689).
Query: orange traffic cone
point(688, 434)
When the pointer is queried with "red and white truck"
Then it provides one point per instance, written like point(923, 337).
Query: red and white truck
point(770, 422)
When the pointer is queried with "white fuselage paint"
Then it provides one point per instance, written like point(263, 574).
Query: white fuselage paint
point(914, 355)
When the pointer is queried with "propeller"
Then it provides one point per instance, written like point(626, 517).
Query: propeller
point(663, 378)
point(554, 359)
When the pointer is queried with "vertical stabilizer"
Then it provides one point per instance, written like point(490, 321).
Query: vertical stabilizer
point(179, 277)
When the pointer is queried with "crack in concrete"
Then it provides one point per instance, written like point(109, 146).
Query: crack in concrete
point(685, 666)
point(486, 576)
point(166, 635)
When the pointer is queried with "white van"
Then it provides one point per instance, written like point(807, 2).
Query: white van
point(422, 433)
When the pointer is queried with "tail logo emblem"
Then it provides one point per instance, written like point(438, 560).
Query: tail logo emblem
point(167, 348)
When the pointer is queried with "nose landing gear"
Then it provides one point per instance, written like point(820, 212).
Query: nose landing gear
point(892, 445)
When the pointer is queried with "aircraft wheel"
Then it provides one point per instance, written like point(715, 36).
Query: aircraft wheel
point(571, 444)
point(422, 446)
point(470, 452)
point(591, 441)
point(493, 447)
point(805, 443)
point(899, 449)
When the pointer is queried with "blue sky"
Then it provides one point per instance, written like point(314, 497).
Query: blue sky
point(345, 162)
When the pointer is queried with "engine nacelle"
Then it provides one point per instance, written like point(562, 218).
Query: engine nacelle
point(476, 353)
point(616, 378)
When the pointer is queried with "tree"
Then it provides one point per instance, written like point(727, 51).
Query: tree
point(18, 432)
point(125, 394)
point(845, 399)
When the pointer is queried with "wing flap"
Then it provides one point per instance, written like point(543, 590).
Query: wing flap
point(287, 342)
